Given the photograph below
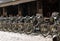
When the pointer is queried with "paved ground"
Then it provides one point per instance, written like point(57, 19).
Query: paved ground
point(6, 36)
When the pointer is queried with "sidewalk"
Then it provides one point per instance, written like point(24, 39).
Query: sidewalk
point(6, 36)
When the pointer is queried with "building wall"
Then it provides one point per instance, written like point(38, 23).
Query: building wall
point(30, 8)
point(39, 6)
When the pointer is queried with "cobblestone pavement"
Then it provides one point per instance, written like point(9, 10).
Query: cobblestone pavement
point(10, 36)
